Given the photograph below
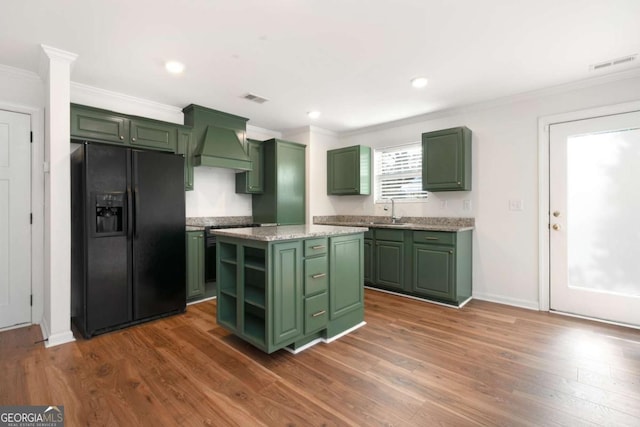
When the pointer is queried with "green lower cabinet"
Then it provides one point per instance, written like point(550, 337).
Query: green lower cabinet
point(273, 296)
point(287, 291)
point(389, 264)
point(433, 271)
point(368, 260)
point(346, 259)
point(195, 264)
point(428, 264)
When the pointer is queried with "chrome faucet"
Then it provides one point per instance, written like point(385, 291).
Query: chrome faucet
point(394, 218)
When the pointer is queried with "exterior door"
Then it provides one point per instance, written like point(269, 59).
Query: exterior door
point(15, 223)
point(594, 201)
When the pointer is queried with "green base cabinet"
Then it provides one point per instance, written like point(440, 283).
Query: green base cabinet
point(428, 264)
point(289, 293)
point(446, 160)
point(251, 182)
point(283, 200)
point(349, 171)
point(195, 264)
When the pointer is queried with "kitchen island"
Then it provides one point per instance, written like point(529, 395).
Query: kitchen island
point(290, 286)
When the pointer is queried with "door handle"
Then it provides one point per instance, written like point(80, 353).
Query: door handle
point(320, 313)
point(318, 276)
point(129, 213)
point(136, 194)
point(316, 247)
point(556, 227)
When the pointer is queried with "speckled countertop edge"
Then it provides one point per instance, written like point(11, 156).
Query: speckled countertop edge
point(287, 232)
point(197, 223)
point(406, 223)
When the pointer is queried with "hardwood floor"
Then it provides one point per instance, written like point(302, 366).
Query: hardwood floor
point(413, 364)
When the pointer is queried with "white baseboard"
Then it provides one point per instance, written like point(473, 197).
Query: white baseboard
point(530, 305)
point(55, 339)
point(325, 340)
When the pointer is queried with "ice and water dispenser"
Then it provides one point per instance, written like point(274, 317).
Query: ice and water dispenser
point(110, 211)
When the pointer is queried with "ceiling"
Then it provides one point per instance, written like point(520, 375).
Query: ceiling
point(350, 59)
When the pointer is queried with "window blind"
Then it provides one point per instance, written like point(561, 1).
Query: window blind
point(399, 172)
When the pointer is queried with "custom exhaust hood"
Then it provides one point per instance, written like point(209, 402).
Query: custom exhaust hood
point(220, 138)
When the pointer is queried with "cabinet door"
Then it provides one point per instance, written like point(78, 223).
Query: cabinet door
point(252, 182)
point(290, 183)
point(446, 160)
point(349, 171)
point(368, 260)
point(389, 265)
point(186, 149)
point(434, 271)
point(346, 275)
point(98, 125)
point(154, 135)
point(195, 264)
point(287, 297)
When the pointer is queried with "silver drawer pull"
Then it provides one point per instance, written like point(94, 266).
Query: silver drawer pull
point(320, 313)
point(318, 276)
point(316, 247)
point(431, 238)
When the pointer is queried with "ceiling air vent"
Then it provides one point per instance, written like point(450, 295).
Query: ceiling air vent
point(613, 62)
point(255, 98)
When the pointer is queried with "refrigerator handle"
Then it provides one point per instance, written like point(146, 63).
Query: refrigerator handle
point(136, 195)
point(129, 213)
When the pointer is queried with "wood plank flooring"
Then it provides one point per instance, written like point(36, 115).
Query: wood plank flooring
point(413, 364)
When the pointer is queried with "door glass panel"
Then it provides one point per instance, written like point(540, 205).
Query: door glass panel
point(603, 203)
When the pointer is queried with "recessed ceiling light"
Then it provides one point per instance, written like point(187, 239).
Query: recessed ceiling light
point(313, 114)
point(419, 82)
point(174, 67)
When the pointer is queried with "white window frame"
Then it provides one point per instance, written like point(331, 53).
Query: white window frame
point(414, 174)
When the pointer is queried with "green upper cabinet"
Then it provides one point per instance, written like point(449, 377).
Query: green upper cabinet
point(185, 147)
point(251, 182)
point(446, 160)
point(107, 126)
point(283, 199)
point(99, 125)
point(349, 171)
point(151, 134)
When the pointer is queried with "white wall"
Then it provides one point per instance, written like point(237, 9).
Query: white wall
point(505, 167)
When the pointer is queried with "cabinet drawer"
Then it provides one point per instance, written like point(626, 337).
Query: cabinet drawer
point(315, 312)
point(315, 246)
point(441, 237)
point(390, 235)
point(315, 275)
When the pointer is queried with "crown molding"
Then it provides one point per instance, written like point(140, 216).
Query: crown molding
point(19, 72)
point(500, 102)
point(81, 88)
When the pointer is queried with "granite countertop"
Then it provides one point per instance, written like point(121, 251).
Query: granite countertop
point(287, 232)
point(195, 227)
point(407, 223)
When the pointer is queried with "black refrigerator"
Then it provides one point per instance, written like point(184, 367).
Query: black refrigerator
point(127, 236)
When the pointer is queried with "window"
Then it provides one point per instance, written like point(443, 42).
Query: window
point(398, 173)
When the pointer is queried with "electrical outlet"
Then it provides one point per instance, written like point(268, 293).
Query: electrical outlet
point(443, 204)
point(516, 205)
point(466, 205)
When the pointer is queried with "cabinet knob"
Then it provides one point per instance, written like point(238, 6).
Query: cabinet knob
point(451, 252)
point(121, 136)
point(459, 183)
point(134, 140)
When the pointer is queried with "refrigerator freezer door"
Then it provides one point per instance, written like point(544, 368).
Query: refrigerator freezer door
point(108, 289)
point(158, 234)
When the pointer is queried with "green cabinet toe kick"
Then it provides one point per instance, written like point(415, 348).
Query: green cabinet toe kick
point(290, 294)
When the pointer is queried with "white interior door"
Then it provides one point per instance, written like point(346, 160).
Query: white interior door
point(594, 200)
point(15, 210)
